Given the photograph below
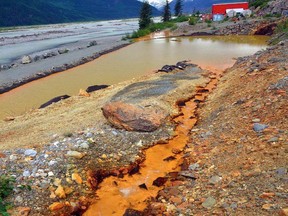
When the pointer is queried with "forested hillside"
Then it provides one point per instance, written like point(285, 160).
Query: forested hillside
point(32, 12)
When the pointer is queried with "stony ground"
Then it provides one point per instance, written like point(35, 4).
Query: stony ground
point(63, 152)
point(237, 156)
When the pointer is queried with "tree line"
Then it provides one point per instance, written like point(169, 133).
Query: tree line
point(145, 18)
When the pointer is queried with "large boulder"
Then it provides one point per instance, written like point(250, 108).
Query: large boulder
point(134, 117)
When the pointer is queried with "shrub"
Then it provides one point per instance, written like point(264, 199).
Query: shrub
point(192, 20)
point(6, 188)
point(258, 3)
point(282, 26)
point(181, 19)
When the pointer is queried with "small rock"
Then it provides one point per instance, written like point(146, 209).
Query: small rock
point(281, 171)
point(50, 174)
point(214, 180)
point(13, 157)
point(273, 139)
point(267, 206)
point(83, 93)
point(77, 178)
point(75, 154)
point(26, 173)
point(139, 144)
point(62, 51)
point(60, 192)
point(160, 181)
point(84, 145)
point(234, 205)
point(22, 211)
point(52, 162)
point(259, 127)
point(257, 120)
point(194, 166)
point(30, 152)
point(209, 203)
point(18, 199)
point(26, 60)
point(89, 135)
point(56, 206)
point(92, 43)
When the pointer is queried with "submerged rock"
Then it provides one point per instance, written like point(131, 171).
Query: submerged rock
point(133, 117)
point(54, 100)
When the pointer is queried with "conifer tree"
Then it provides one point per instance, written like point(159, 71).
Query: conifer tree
point(167, 13)
point(178, 8)
point(145, 18)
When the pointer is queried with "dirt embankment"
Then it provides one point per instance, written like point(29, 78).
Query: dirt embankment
point(237, 155)
point(242, 27)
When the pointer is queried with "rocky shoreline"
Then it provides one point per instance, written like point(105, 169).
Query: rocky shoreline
point(7, 86)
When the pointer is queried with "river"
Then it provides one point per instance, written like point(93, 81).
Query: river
point(138, 59)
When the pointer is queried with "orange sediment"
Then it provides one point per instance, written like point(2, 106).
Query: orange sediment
point(115, 195)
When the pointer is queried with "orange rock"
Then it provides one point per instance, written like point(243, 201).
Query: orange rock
point(83, 93)
point(56, 206)
point(267, 206)
point(60, 192)
point(236, 173)
point(267, 195)
point(68, 190)
point(77, 178)
point(20, 211)
point(284, 212)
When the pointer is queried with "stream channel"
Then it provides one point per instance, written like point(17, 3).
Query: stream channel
point(136, 60)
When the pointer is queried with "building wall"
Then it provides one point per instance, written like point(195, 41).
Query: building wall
point(221, 8)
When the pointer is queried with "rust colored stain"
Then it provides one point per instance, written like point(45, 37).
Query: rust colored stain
point(115, 195)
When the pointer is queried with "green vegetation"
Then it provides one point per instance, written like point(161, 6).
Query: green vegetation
point(258, 3)
point(145, 15)
point(192, 20)
point(272, 15)
point(167, 13)
point(6, 188)
point(153, 27)
point(23, 12)
point(281, 32)
point(282, 27)
point(178, 8)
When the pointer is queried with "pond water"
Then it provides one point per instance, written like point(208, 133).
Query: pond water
point(138, 59)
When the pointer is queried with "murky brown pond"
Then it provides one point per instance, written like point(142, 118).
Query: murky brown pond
point(133, 61)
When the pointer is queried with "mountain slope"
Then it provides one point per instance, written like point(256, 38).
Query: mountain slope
point(31, 12)
point(190, 6)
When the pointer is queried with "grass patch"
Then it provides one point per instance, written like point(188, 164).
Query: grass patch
point(282, 27)
point(6, 188)
point(152, 28)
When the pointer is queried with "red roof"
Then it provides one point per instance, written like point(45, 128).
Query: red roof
point(221, 8)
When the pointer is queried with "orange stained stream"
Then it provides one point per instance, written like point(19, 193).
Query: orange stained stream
point(115, 195)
